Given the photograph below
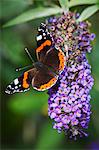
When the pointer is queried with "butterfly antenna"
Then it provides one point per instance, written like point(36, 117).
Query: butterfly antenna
point(27, 51)
point(22, 68)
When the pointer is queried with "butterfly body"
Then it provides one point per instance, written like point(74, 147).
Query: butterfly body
point(44, 73)
point(39, 65)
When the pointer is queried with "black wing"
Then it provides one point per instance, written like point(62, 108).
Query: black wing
point(22, 83)
point(44, 42)
point(55, 59)
point(44, 79)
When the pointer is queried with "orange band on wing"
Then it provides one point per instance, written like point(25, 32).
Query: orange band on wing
point(46, 43)
point(62, 60)
point(25, 84)
point(48, 85)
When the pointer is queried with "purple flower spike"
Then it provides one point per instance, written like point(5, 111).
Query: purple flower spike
point(72, 101)
point(69, 100)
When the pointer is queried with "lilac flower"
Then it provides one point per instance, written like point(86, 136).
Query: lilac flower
point(69, 100)
point(69, 106)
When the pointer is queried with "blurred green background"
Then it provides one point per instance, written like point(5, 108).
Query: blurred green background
point(24, 120)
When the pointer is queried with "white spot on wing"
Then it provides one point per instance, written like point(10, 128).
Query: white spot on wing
point(44, 34)
point(39, 37)
point(16, 87)
point(16, 81)
point(39, 29)
point(9, 86)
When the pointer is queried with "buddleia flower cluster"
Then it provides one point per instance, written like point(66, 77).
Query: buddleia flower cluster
point(69, 100)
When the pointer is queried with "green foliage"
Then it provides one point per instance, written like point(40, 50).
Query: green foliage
point(9, 8)
point(28, 102)
point(12, 44)
point(89, 11)
point(40, 12)
point(52, 140)
point(64, 4)
point(33, 14)
point(73, 3)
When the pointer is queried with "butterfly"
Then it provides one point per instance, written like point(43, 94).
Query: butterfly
point(45, 72)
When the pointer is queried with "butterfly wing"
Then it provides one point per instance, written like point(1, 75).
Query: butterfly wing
point(44, 42)
point(42, 35)
point(44, 79)
point(55, 59)
point(22, 83)
point(48, 54)
point(41, 80)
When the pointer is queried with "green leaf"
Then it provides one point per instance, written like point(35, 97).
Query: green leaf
point(89, 11)
point(64, 4)
point(82, 2)
point(33, 14)
point(31, 101)
point(8, 7)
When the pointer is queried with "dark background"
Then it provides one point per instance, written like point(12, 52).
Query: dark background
point(24, 120)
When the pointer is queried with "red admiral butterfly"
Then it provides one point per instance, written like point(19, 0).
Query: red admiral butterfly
point(44, 73)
